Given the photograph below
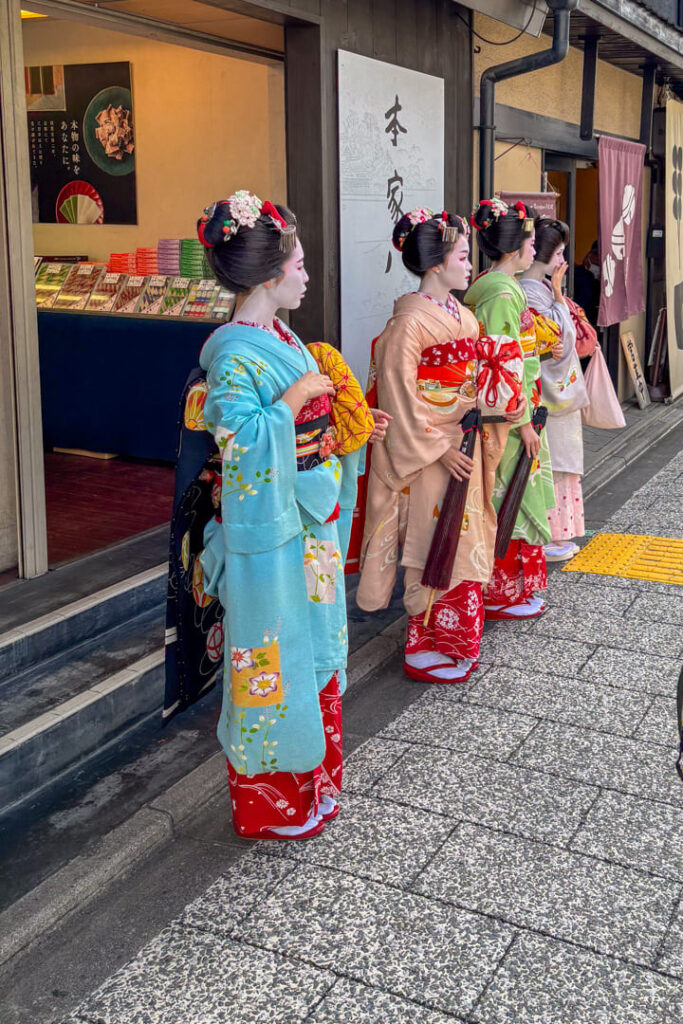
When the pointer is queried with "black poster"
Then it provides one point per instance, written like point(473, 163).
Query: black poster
point(82, 143)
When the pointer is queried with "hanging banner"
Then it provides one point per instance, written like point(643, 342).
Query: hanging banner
point(544, 203)
point(674, 242)
point(391, 159)
point(620, 193)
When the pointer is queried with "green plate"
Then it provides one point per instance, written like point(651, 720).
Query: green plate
point(118, 97)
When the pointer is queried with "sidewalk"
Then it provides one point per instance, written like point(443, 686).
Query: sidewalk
point(509, 852)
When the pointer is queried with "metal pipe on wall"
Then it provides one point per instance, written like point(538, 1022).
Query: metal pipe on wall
point(512, 69)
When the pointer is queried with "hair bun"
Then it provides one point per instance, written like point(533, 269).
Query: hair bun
point(210, 224)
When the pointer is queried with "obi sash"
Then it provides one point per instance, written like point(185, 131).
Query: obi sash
point(314, 441)
point(448, 372)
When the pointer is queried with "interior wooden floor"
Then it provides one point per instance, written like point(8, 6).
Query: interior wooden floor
point(93, 503)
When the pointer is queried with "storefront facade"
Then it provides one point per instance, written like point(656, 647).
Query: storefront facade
point(241, 94)
point(246, 93)
point(548, 123)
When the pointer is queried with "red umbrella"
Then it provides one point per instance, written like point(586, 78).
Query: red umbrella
point(439, 566)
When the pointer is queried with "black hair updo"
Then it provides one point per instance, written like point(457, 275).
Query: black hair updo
point(428, 243)
point(506, 233)
point(550, 235)
point(248, 257)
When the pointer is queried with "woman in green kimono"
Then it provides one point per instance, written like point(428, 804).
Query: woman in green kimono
point(272, 553)
point(506, 235)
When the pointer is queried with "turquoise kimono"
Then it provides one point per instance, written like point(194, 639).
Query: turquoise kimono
point(272, 558)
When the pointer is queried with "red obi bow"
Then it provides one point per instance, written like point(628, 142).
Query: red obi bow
point(494, 370)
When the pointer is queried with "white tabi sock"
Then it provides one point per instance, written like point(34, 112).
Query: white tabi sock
point(297, 830)
point(425, 659)
point(459, 670)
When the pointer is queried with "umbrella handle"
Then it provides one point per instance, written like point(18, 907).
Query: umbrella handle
point(428, 612)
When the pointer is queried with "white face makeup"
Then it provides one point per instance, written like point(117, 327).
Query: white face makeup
point(527, 253)
point(557, 259)
point(289, 288)
point(456, 269)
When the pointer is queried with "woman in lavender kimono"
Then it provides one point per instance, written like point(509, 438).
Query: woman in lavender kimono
point(563, 388)
point(272, 554)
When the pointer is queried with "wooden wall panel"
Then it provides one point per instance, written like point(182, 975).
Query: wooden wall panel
point(425, 35)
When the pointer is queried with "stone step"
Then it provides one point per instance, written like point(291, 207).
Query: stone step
point(65, 627)
point(36, 753)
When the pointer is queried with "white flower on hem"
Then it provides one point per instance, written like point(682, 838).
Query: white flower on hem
point(241, 657)
point(281, 804)
point(263, 684)
point(290, 810)
point(447, 618)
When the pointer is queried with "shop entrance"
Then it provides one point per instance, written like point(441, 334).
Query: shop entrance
point(133, 128)
point(576, 181)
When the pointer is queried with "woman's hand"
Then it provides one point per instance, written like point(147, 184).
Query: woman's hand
point(556, 281)
point(557, 351)
point(311, 385)
point(457, 463)
point(530, 440)
point(516, 414)
point(382, 420)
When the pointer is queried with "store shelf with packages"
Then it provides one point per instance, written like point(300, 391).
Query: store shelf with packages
point(115, 352)
point(93, 288)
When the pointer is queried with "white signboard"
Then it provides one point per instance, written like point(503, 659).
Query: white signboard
point(391, 159)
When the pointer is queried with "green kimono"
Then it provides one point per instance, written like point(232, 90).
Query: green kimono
point(500, 306)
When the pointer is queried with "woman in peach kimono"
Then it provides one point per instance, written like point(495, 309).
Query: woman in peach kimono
point(426, 367)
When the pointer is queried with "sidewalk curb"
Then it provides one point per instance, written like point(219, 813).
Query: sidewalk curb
point(84, 877)
point(622, 452)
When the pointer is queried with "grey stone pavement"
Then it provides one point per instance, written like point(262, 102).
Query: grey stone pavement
point(509, 851)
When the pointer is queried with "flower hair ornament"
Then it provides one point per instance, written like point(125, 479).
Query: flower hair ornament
point(450, 232)
point(242, 210)
point(420, 215)
point(499, 208)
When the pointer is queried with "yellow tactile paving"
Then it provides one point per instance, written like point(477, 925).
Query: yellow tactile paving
point(659, 559)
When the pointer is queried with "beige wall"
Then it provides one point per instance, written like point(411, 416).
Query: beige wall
point(556, 92)
point(205, 126)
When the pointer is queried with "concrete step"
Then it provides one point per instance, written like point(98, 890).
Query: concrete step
point(36, 753)
point(67, 626)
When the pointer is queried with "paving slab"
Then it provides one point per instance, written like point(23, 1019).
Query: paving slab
point(639, 833)
point(658, 607)
point(510, 647)
point(561, 698)
point(381, 936)
point(369, 762)
point(602, 906)
point(671, 958)
point(543, 981)
point(351, 1002)
point(462, 786)
point(190, 977)
point(567, 593)
point(629, 766)
point(233, 896)
point(633, 671)
point(660, 723)
point(373, 838)
point(435, 722)
point(624, 634)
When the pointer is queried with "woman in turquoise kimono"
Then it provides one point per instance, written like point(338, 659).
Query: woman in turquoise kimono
point(506, 235)
point(272, 553)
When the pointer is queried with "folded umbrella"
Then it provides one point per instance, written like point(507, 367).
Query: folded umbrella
point(441, 558)
point(507, 515)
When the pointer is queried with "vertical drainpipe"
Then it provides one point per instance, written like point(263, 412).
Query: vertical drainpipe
point(512, 69)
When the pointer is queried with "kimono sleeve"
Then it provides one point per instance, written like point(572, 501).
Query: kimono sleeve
point(500, 317)
point(257, 443)
point(411, 441)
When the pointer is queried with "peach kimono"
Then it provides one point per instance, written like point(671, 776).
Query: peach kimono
point(427, 380)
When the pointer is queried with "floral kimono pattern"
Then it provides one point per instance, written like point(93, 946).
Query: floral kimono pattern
point(426, 362)
point(499, 304)
point(273, 557)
